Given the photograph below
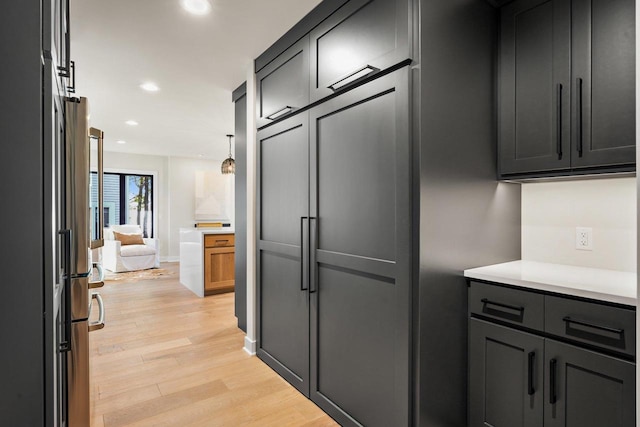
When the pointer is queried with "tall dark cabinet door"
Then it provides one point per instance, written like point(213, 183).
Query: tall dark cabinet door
point(534, 86)
point(360, 254)
point(283, 206)
point(587, 389)
point(604, 118)
point(506, 376)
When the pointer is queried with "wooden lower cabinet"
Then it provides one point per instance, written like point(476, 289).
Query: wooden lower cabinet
point(219, 264)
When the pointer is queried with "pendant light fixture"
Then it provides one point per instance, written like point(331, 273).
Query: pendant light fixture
point(229, 165)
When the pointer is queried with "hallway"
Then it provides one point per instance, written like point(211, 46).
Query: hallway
point(169, 358)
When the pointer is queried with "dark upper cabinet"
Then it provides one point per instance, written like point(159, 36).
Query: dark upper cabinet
point(567, 85)
point(283, 84)
point(505, 368)
point(587, 389)
point(534, 86)
point(360, 38)
point(603, 78)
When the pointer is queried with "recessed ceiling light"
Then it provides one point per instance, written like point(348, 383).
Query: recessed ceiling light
point(121, 142)
point(150, 87)
point(131, 123)
point(196, 7)
point(200, 156)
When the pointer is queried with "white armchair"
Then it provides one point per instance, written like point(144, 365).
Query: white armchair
point(118, 258)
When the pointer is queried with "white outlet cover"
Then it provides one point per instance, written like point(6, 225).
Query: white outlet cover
point(584, 238)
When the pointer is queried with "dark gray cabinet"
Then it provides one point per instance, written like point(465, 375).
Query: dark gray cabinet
point(554, 373)
point(567, 72)
point(358, 39)
point(240, 224)
point(587, 389)
point(603, 78)
point(360, 267)
point(506, 376)
point(334, 252)
point(283, 84)
point(535, 49)
point(283, 230)
point(401, 163)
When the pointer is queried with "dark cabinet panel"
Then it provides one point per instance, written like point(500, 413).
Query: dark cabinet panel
point(361, 37)
point(240, 223)
point(603, 66)
point(567, 87)
point(360, 241)
point(506, 376)
point(283, 200)
point(534, 86)
point(587, 389)
point(609, 328)
point(507, 305)
point(531, 378)
point(283, 85)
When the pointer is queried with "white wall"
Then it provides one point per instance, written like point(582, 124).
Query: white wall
point(552, 211)
point(182, 190)
point(175, 192)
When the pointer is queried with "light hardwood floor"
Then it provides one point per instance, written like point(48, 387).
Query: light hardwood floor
point(169, 358)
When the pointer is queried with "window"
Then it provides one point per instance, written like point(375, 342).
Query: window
point(128, 199)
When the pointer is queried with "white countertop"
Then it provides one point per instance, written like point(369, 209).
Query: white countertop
point(212, 230)
point(605, 285)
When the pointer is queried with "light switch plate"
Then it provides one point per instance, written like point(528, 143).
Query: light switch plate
point(584, 238)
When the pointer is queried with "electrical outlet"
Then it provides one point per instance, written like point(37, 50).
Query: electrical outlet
point(584, 238)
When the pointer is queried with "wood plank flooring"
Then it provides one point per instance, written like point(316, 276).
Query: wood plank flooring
point(169, 358)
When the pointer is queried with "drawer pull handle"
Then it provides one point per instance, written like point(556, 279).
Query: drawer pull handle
point(552, 381)
point(352, 77)
point(222, 241)
point(569, 321)
point(499, 304)
point(280, 113)
point(532, 359)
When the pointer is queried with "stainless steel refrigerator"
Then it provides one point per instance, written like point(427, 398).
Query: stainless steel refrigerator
point(82, 233)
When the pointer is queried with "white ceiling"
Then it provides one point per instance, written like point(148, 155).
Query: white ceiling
point(197, 61)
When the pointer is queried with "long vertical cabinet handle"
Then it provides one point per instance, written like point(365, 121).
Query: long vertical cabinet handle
point(559, 120)
point(313, 265)
point(99, 135)
point(304, 249)
point(553, 398)
point(530, 373)
point(579, 121)
point(65, 70)
point(65, 345)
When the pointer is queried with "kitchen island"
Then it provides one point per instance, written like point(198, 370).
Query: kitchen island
point(207, 260)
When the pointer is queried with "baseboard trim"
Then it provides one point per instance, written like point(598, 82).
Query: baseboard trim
point(249, 346)
point(169, 259)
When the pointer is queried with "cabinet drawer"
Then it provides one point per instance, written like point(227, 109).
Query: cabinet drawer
point(360, 38)
point(218, 240)
point(611, 328)
point(508, 305)
point(283, 84)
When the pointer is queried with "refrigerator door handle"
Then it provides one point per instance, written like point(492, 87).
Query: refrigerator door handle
point(99, 324)
point(100, 282)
